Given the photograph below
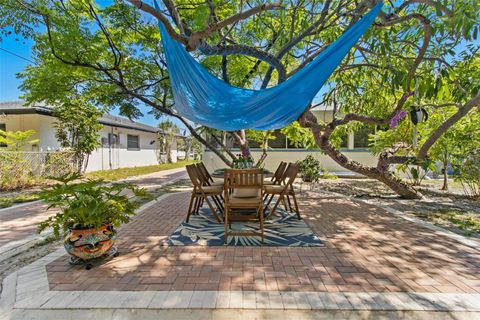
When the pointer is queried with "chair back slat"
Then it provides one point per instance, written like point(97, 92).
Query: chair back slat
point(243, 178)
point(193, 175)
point(204, 172)
point(261, 160)
point(278, 175)
point(291, 174)
point(202, 176)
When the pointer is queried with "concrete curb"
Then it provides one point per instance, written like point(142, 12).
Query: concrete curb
point(24, 204)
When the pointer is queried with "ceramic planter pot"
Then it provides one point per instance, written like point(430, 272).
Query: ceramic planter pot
point(86, 244)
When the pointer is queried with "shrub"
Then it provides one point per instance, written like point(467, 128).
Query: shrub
point(14, 171)
point(88, 204)
point(328, 175)
point(310, 168)
point(469, 174)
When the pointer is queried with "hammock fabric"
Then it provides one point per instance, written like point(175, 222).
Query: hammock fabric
point(204, 99)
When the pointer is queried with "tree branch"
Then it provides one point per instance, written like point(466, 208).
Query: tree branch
point(151, 10)
point(431, 3)
point(225, 50)
point(422, 153)
point(194, 38)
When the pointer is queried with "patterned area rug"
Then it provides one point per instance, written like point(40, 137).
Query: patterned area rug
point(284, 230)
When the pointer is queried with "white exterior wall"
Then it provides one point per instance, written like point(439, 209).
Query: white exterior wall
point(275, 156)
point(47, 134)
point(101, 159)
point(24, 122)
point(119, 156)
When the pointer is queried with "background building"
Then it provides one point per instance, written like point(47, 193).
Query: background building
point(124, 143)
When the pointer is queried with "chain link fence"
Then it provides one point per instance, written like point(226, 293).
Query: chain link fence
point(19, 169)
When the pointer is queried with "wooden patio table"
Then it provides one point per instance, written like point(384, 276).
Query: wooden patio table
point(220, 173)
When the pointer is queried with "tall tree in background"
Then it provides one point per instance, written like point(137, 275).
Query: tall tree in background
point(169, 133)
point(77, 129)
point(418, 52)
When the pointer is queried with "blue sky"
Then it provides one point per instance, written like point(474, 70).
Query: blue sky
point(16, 61)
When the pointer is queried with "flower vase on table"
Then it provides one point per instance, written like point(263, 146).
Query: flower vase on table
point(243, 161)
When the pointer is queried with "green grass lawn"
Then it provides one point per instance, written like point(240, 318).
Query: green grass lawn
point(123, 173)
point(439, 182)
point(6, 202)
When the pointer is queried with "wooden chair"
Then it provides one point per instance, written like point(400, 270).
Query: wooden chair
point(261, 160)
point(201, 192)
point(284, 192)
point(278, 176)
point(246, 180)
point(207, 180)
point(206, 175)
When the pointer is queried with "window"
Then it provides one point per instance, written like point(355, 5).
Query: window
point(361, 137)
point(133, 142)
point(3, 127)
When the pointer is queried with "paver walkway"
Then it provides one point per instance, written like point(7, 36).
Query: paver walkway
point(19, 223)
point(374, 265)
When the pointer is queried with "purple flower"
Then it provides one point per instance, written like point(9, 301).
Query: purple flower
point(396, 118)
point(246, 153)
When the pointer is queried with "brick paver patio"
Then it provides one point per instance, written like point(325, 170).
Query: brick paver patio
point(17, 223)
point(367, 250)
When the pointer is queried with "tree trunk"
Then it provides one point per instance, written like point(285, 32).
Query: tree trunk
point(241, 138)
point(380, 173)
point(188, 148)
point(203, 141)
point(168, 149)
point(445, 173)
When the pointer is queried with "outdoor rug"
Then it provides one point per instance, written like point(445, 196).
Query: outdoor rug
point(284, 230)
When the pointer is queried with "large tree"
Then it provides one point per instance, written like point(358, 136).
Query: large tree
point(414, 54)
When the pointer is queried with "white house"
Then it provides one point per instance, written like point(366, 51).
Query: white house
point(124, 143)
point(354, 147)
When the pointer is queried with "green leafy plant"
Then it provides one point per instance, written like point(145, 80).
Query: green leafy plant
point(16, 140)
point(310, 168)
point(469, 174)
point(417, 171)
point(328, 175)
point(298, 136)
point(88, 204)
point(170, 130)
point(77, 129)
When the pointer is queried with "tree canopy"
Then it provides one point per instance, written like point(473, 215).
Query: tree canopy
point(419, 52)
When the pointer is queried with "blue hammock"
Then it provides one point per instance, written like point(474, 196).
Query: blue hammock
point(204, 99)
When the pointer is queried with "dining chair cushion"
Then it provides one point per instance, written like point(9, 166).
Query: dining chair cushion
point(246, 193)
point(245, 201)
point(274, 189)
point(212, 189)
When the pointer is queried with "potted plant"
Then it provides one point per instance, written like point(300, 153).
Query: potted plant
point(310, 169)
point(243, 160)
point(88, 213)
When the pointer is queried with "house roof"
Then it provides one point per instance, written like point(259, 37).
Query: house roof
point(18, 107)
point(322, 107)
